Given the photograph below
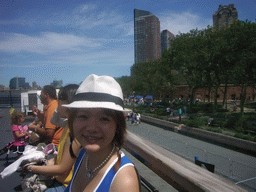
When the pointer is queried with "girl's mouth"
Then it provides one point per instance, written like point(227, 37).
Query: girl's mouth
point(91, 139)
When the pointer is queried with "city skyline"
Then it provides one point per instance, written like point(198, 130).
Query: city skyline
point(66, 41)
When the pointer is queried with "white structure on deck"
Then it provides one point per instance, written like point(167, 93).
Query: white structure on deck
point(31, 98)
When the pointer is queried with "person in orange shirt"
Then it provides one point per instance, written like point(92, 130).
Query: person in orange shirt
point(51, 133)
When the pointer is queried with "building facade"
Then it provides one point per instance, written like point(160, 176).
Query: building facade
point(34, 85)
point(17, 83)
point(166, 37)
point(147, 43)
point(233, 93)
point(225, 16)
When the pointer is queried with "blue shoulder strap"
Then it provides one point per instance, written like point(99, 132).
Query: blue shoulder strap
point(81, 154)
point(105, 184)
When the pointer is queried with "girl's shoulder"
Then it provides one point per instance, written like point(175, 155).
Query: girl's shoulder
point(126, 179)
point(15, 127)
point(18, 128)
point(115, 178)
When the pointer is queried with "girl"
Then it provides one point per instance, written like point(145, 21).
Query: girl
point(20, 133)
point(62, 166)
point(97, 121)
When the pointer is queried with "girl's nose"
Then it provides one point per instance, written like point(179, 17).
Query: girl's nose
point(93, 125)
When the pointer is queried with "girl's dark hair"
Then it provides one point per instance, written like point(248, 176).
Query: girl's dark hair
point(68, 92)
point(118, 116)
point(16, 117)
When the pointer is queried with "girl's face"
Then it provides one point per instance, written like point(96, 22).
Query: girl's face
point(21, 120)
point(94, 129)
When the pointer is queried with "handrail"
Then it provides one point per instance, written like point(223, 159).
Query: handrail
point(178, 172)
point(238, 143)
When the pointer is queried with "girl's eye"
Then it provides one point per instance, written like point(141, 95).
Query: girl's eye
point(82, 116)
point(105, 119)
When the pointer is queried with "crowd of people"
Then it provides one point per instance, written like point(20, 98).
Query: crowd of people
point(87, 126)
point(134, 117)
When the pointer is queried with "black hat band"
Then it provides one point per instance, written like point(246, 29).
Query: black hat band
point(100, 97)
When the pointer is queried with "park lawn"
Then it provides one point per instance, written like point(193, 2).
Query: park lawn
point(228, 123)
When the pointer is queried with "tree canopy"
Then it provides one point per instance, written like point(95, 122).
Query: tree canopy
point(205, 58)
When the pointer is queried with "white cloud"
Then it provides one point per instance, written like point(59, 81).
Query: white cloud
point(183, 22)
point(106, 19)
point(84, 16)
point(115, 56)
point(85, 8)
point(127, 27)
point(97, 58)
point(46, 42)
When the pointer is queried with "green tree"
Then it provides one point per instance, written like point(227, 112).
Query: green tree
point(140, 77)
point(224, 61)
point(241, 38)
point(217, 67)
point(188, 58)
point(147, 78)
point(125, 83)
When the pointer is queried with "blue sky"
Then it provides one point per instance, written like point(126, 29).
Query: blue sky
point(68, 40)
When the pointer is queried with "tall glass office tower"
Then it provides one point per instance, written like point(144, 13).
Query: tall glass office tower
point(17, 83)
point(166, 37)
point(147, 38)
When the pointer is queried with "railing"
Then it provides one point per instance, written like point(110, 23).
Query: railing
point(177, 171)
point(223, 165)
point(240, 173)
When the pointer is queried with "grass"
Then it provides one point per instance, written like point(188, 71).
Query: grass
point(223, 121)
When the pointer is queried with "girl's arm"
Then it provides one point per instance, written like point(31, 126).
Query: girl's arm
point(26, 133)
point(64, 167)
point(17, 133)
point(38, 113)
point(35, 125)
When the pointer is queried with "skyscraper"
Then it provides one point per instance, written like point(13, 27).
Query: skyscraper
point(225, 16)
point(147, 43)
point(166, 37)
point(34, 85)
point(17, 83)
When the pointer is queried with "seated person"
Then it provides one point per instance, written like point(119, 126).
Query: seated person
point(51, 133)
point(61, 167)
point(19, 132)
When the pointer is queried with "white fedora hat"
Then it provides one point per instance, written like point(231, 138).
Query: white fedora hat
point(98, 92)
